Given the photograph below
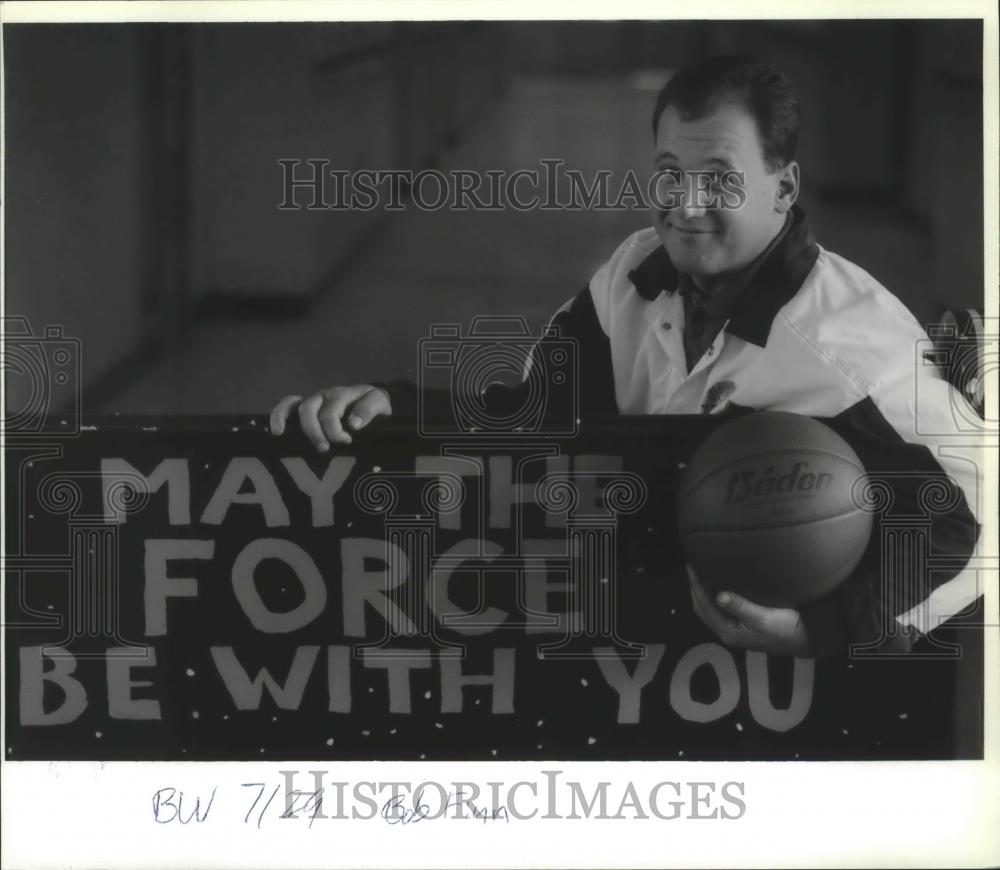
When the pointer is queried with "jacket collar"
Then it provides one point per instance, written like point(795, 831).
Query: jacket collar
point(773, 283)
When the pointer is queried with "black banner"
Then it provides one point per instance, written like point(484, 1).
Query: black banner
point(199, 589)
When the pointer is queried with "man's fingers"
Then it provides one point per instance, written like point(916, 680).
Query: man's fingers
point(332, 413)
point(742, 610)
point(698, 595)
point(738, 622)
point(709, 614)
point(279, 413)
point(323, 414)
point(309, 418)
point(703, 600)
point(696, 605)
point(369, 406)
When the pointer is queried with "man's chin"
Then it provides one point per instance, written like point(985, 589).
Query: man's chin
point(687, 261)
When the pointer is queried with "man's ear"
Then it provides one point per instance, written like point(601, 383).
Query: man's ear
point(788, 187)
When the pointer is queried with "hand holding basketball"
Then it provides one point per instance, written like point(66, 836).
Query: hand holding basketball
point(738, 622)
point(766, 507)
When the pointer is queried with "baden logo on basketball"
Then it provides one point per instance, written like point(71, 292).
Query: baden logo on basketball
point(743, 485)
point(766, 509)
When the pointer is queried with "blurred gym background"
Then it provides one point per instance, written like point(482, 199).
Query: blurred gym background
point(142, 183)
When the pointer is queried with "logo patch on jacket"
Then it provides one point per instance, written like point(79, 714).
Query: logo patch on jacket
point(716, 395)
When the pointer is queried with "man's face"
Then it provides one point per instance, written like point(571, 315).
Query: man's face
point(715, 243)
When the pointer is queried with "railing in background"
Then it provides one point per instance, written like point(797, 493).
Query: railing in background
point(378, 96)
point(142, 173)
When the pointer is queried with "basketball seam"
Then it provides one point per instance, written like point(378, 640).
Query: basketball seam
point(784, 525)
point(775, 450)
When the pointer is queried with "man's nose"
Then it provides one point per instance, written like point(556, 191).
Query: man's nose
point(690, 208)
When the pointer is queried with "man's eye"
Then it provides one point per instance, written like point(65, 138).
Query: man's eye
point(670, 177)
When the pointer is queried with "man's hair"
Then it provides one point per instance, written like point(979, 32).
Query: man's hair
point(763, 90)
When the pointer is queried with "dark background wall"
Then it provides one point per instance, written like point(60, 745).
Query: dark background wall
point(142, 180)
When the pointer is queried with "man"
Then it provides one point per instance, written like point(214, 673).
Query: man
point(722, 305)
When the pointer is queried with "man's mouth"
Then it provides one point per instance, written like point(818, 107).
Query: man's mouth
point(669, 222)
point(690, 231)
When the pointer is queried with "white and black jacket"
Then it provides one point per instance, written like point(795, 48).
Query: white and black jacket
point(814, 334)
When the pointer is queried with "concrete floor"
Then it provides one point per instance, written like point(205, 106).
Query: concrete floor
point(448, 266)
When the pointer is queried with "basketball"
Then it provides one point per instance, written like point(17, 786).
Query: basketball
point(766, 508)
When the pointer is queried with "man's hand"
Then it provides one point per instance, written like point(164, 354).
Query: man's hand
point(327, 415)
point(738, 622)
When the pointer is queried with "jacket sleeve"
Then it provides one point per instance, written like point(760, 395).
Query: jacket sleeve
point(920, 445)
point(567, 376)
point(590, 390)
